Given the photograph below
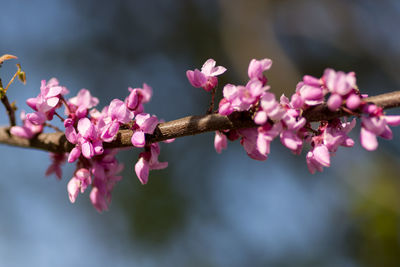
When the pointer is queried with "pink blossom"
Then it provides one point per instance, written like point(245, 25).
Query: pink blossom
point(376, 124)
point(341, 86)
point(138, 97)
point(57, 159)
point(368, 139)
point(269, 108)
point(225, 107)
point(144, 124)
point(266, 135)
point(257, 68)
point(87, 140)
point(249, 141)
point(339, 82)
point(206, 78)
point(117, 113)
point(46, 102)
point(148, 160)
point(220, 141)
point(79, 182)
point(105, 169)
point(291, 140)
point(310, 94)
point(74, 154)
point(73, 189)
point(81, 103)
point(318, 158)
point(28, 130)
point(83, 175)
point(98, 200)
point(86, 134)
point(335, 134)
point(142, 170)
point(241, 98)
point(291, 135)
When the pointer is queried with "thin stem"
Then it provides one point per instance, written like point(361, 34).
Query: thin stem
point(11, 81)
point(61, 118)
point(211, 108)
point(52, 127)
point(65, 105)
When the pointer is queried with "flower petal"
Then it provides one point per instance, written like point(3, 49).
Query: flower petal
point(368, 139)
point(142, 170)
point(138, 139)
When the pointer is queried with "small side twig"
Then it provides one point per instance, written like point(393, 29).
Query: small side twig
point(11, 81)
point(58, 115)
point(52, 127)
point(211, 108)
point(9, 108)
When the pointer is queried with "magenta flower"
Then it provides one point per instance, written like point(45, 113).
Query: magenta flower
point(225, 107)
point(138, 97)
point(142, 170)
point(292, 133)
point(318, 158)
point(148, 160)
point(249, 141)
point(257, 68)
point(335, 134)
point(144, 124)
point(342, 86)
point(292, 140)
point(269, 108)
point(81, 103)
point(105, 169)
point(206, 78)
point(117, 113)
point(376, 124)
point(73, 189)
point(266, 134)
point(98, 200)
point(79, 182)
point(28, 130)
point(310, 94)
point(57, 159)
point(46, 102)
point(220, 141)
point(87, 140)
point(240, 98)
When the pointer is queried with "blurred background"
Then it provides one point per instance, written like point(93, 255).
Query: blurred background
point(205, 209)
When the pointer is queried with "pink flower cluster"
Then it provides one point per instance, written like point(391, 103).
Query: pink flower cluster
point(88, 129)
point(284, 118)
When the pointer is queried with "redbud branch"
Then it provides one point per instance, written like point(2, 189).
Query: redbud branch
point(191, 125)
